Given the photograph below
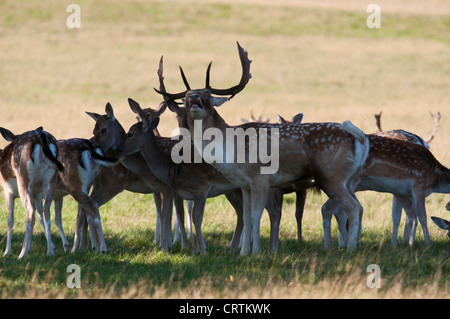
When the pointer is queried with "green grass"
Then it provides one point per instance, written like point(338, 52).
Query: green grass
point(133, 260)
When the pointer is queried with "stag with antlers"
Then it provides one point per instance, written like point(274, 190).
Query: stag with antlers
point(191, 181)
point(330, 153)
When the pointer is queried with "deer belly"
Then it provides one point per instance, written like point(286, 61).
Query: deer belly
point(401, 187)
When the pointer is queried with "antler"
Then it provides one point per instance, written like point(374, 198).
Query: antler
point(246, 76)
point(162, 88)
point(378, 120)
point(436, 118)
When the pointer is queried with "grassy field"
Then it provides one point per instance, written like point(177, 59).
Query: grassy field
point(315, 57)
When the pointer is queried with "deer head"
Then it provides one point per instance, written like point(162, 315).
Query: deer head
point(138, 135)
point(442, 223)
point(108, 132)
point(201, 102)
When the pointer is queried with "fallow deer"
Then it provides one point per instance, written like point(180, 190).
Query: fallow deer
point(131, 174)
point(275, 198)
point(29, 168)
point(407, 170)
point(191, 181)
point(82, 161)
point(330, 153)
point(329, 210)
point(442, 223)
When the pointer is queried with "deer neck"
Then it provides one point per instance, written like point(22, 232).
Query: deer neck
point(443, 184)
point(159, 161)
point(198, 127)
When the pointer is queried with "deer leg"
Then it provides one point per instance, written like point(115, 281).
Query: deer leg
point(259, 194)
point(235, 199)
point(9, 198)
point(84, 230)
point(342, 221)
point(157, 236)
point(30, 209)
point(58, 222)
point(93, 219)
point(179, 210)
point(348, 202)
point(48, 198)
point(396, 217)
point(299, 208)
point(328, 210)
point(247, 218)
point(327, 214)
point(273, 206)
point(197, 216)
point(166, 219)
point(189, 208)
point(80, 238)
point(422, 216)
point(410, 207)
point(176, 222)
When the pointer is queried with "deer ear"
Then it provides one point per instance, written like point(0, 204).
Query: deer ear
point(161, 108)
point(441, 223)
point(95, 116)
point(7, 134)
point(150, 123)
point(135, 107)
point(280, 119)
point(173, 106)
point(297, 119)
point(155, 122)
point(218, 101)
point(109, 110)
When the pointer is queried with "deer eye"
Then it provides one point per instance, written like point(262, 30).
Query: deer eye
point(104, 130)
point(130, 134)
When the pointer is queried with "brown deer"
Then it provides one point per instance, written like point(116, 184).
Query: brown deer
point(29, 168)
point(407, 170)
point(131, 174)
point(275, 201)
point(329, 210)
point(329, 153)
point(191, 181)
point(82, 161)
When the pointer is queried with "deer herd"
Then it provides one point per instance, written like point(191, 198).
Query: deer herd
point(338, 159)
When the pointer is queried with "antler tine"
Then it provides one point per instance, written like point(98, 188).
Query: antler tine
point(378, 121)
point(207, 85)
point(162, 89)
point(160, 71)
point(246, 76)
point(436, 118)
point(184, 79)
